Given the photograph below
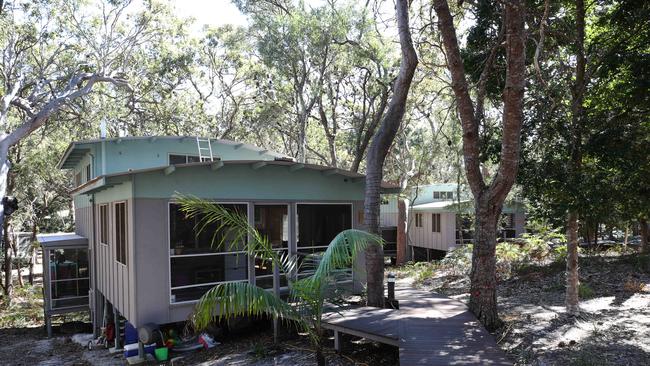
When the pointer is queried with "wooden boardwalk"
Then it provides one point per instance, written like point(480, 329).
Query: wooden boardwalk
point(429, 329)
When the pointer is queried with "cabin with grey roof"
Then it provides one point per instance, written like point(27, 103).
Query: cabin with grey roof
point(147, 261)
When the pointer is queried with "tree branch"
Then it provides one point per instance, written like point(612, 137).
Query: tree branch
point(461, 91)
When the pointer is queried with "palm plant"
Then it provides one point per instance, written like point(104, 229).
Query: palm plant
point(307, 296)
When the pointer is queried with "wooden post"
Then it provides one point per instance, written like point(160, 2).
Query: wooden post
point(48, 324)
point(276, 290)
point(338, 341)
point(116, 321)
point(250, 212)
point(401, 231)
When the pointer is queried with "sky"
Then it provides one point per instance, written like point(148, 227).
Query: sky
point(210, 12)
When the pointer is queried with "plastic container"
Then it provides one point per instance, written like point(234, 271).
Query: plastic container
point(130, 334)
point(132, 349)
point(162, 354)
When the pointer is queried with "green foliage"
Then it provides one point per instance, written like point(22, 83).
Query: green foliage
point(585, 291)
point(420, 271)
point(537, 247)
point(614, 130)
point(459, 259)
point(25, 310)
point(305, 305)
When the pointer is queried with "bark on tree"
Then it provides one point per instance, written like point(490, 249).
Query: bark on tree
point(572, 290)
point(572, 279)
point(378, 150)
point(32, 254)
point(401, 231)
point(645, 235)
point(8, 285)
point(488, 199)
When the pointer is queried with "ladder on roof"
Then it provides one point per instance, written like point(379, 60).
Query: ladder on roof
point(205, 149)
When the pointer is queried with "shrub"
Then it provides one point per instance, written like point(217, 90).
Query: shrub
point(633, 285)
point(585, 291)
point(425, 270)
point(536, 247)
point(509, 256)
point(560, 252)
point(459, 259)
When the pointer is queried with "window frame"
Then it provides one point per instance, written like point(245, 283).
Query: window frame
point(89, 172)
point(103, 224)
point(118, 250)
point(76, 279)
point(306, 273)
point(170, 255)
point(278, 250)
point(297, 228)
point(436, 226)
point(187, 158)
point(418, 219)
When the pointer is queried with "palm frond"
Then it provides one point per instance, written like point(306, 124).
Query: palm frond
point(307, 295)
point(234, 225)
point(234, 299)
point(343, 249)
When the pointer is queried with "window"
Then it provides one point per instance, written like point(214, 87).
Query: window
point(88, 173)
point(319, 224)
point(183, 159)
point(77, 179)
point(443, 195)
point(103, 224)
point(418, 220)
point(69, 277)
point(197, 262)
point(120, 232)
point(271, 221)
point(435, 223)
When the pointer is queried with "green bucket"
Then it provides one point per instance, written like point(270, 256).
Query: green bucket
point(162, 354)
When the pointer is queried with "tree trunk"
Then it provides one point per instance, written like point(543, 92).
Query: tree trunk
point(645, 235)
point(4, 187)
point(488, 199)
point(16, 255)
point(573, 282)
point(32, 255)
point(378, 150)
point(8, 264)
point(401, 232)
point(483, 295)
point(320, 358)
point(572, 279)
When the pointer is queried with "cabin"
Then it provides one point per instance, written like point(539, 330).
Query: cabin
point(147, 262)
point(439, 217)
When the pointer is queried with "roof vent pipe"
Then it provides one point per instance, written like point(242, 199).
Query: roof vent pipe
point(102, 129)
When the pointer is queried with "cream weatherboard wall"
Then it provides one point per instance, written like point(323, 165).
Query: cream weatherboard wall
point(115, 281)
point(424, 236)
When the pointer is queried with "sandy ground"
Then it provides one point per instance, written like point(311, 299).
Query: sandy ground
point(613, 327)
point(29, 346)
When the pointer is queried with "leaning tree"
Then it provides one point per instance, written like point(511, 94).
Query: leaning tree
point(488, 196)
point(378, 150)
point(50, 57)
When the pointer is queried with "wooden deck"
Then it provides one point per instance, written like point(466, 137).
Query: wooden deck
point(429, 329)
